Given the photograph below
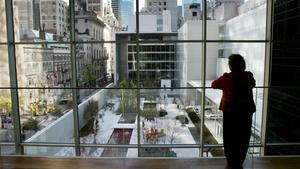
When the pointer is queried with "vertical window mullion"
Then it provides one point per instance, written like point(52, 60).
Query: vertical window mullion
point(203, 77)
point(13, 75)
point(267, 71)
point(74, 79)
point(138, 76)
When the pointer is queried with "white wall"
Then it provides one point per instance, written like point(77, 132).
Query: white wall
point(248, 26)
point(62, 130)
point(192, 52)
point(148, 23)
point(166, 21)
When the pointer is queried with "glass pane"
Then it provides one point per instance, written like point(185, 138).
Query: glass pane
point(217, 59)
point(7, 150)
point(236, 20)
point(157, 62)
point(189, 56)
point(283, 150)
point(37, 20)
point(43, 112)
point(41, 65)
point(6, 117)
point(217, 66)
point(108, 116)
point(283, 120)
point(3, 37)
point(100, 20)
point(94, 64)
point(158, 17)
point(286, 18)
point(167, 117)
point(49, 151)
point(6, 120)
point(170, 152)
point(4, 67)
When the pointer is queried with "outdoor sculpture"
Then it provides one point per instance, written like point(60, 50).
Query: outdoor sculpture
point(153, 134)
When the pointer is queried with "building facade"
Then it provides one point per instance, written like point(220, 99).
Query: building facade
point(158, 61)
point(95, 5)
point(156, 7)
point(116, 7)
point(89, 27)
point(126, 12)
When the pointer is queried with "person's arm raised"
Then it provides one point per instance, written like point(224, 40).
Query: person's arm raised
point(219, 83)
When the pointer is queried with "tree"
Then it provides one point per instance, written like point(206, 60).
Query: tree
point(88, 75)
point(128, 98)
point(91, 110)
point(5, 101)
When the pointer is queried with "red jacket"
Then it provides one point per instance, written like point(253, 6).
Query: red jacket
point(237, 91)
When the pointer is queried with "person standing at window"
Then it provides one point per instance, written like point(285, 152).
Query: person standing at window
point(238, 107)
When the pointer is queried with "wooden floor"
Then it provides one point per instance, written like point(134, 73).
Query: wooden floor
point(93, 163)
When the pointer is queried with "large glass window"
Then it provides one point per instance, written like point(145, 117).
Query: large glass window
point(93, 79)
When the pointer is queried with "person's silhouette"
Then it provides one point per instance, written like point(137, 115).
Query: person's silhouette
point(238, 106)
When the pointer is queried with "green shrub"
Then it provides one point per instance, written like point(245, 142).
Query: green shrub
point(157, 152)
point(128, 110)
point(193, 116)
point(91, 110)
point(149, 114)
point(109, 105)
point(208, 137)
point(189, 110)
point(183, 119)
point(87, 128)
point(57, 113)
point(31, 124)
point(162, 113)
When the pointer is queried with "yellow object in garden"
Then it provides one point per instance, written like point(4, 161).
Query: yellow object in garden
point(49, 108)
point(34, 109)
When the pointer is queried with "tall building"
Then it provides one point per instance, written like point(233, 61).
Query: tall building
point(90, 27)
point(193, 12)
point(283, 115)
point(54, 17)
point(158, 61)
point(186, 4)
point(126, 12)
point(95, 5)
point(151, 22)
point(157, 6)
point(223, 10)
point(48, 15)
point(116, 7)
point(29, 13)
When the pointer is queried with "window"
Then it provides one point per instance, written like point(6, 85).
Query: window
point(171, 60)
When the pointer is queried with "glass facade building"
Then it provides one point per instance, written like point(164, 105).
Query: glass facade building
point(57, 98)
point(126, 11)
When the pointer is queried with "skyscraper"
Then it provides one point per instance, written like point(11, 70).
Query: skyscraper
point(186, 4)
point(116, 6)
point(283, 115)
point(95, 5)
point(126, 11)
point(157, 6)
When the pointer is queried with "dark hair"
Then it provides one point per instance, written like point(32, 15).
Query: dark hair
point(237, 62)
